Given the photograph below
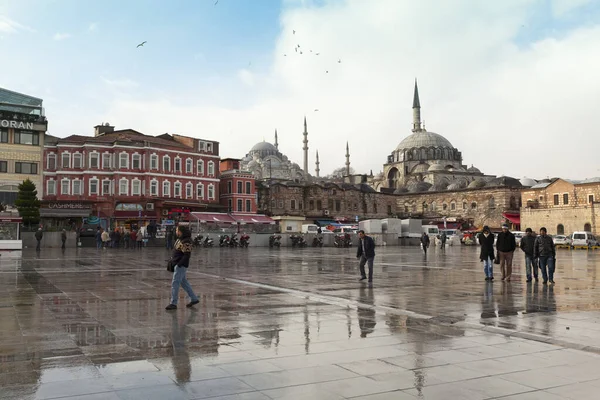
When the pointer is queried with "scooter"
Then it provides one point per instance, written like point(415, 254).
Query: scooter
point(318, 241)
point(275, 241)
point(223, 240)
point(342, 240)
point(208, 242)
point(233, 241)
point(198, 240)
point(298, 241)
point(244, 241)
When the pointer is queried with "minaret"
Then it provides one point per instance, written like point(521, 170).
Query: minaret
point(305, 148)
point(416, 110)
point(317, 170)
point(276, 143)
point(347, 160)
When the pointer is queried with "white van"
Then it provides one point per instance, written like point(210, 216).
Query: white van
point(583, 239)
point(309, 228)
point(431, 230)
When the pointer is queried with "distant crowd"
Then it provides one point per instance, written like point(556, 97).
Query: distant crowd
point(119, 237)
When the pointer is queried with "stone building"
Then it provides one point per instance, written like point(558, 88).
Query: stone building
point(22, 133)
point(562, 206)
point(324, 200)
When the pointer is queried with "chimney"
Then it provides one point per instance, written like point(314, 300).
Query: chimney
point(103, 128)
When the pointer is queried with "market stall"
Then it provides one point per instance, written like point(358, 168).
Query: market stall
point(10, 235)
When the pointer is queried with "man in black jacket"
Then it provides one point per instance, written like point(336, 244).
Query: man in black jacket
point(506, 246)
point(527, 244)
point(366, 254)
point(425, 241)
point(181, 261)
point(545, 251)
point(486, 240)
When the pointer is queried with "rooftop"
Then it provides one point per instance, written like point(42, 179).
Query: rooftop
point(19, 102)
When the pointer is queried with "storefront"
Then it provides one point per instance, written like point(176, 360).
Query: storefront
point(69, 215)
point(10, 235)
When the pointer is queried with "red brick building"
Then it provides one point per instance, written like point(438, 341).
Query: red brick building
point(238, 190)
point(126, 175)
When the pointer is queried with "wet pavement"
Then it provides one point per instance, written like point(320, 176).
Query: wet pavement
point(295, 324)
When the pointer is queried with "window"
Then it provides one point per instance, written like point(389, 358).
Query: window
point(389, 209)
point(77, 187)
point(3, 136)
point(106, 187)
point(189, 191)
point(94, 160)
point(51, 188)
point(560, 229)
point(153, 187)
point(136, 161)
point(280, 203)
point(106, 160)
point(177, 164)
point(177, 189)
point(248, 206)
point(311, 205)
point(473, 206)
point(273, 204)
point(27, 137)
point(444, 206)
point(153, 161)
point(375, 208)
point(565, 198)
point(452, 206)
point(25, 168)
point(338, 205)
point(230, 187)
point(433, 206)
point(123, 187)
point(200, 191)
point(319, 205)
point(240, 187)
point(292, 204)
point(66, 160)
point(166, 188)
point(51, 162)
point(211, 168)
point(464, 205)
point(76, 160)
point(590, 198)
point(123, 160)
point(4, 166)
point(556, 199)
point(211, 191)
point(94, 186)
point(300, 205)
point(492, 202)
point(240, 205)
point(248, 187)
point(200, 166)
point(136, 187)
point(188, 166)
point(65, 186)
point(587, 227)
point(229, 205)
point(166, 163)
point(209, 147)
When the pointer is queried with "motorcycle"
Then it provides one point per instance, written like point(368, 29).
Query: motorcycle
point(298, 241)
point(274, 241)
point(318, 241)
point(198, 240)
point(244, 241)
point(342, 240)
point(233, 241)
point(208, 242)
point(224, 240)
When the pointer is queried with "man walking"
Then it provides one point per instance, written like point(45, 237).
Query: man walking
point(38, 236)
point(486, 241)
point(443, 239)
point(506, 246)
point(545, 251)
point(425, 242)
point(366, 254)
point(63, 238)
point(98, 237)
point(527, 244)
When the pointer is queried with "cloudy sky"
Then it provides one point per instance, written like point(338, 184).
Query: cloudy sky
point(513, 84)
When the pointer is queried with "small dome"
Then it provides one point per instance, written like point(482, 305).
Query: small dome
point(420, 168)
point(424, 139)
point(401, 189)
point(474, 170)
point(252, 164)
point(528, 182)
point(504, 181)
point(476, 184)
point(456, 186)
point(416, 187)
point(436, 167)
point(439, 186)
point(264, 146)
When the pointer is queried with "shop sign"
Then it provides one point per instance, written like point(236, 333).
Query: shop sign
point(180, 210)
point(169, 222)
point(68, 206)
point(16, 124)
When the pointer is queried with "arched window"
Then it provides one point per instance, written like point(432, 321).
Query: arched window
point(492, 202)
point(513, 202)
point(433, 206)
point(444, 206)
point(431, 154)
point(473, 206)
point(425, 206)
point(423, 154)
point(587, 227)
point(560, 229)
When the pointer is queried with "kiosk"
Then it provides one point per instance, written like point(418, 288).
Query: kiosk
point(10, 234)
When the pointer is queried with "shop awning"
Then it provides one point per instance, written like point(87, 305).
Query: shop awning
point(213, 217)
point(64, 213)
point(512, 217)
point(253, 219)
point(324, 223)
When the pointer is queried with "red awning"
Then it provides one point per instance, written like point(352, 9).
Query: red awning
point(514, 218)
point(253, 219)
point(217, 218)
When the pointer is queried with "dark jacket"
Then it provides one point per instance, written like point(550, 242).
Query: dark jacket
point(63, 236)
point(527, 244)
point(487, 246)
point(425, 240)
point(506, 242)
point(98, 235)
point(182, 252)
point(369, 247)
point(39, 235)
point(544, 247)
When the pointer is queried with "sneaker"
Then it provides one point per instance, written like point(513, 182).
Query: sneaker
point(363, 278)
point(192, 303)
point(529, 280)
point(171, 307)
point(552, 281)
point(545, 282)
point(487, 278)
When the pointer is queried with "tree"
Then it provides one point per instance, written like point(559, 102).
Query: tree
point(27, 203)
point(340, 172)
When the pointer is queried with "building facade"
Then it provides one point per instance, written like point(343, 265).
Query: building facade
point(22, 133)
point(562, 206)
point(126, 175)
point(237, 188)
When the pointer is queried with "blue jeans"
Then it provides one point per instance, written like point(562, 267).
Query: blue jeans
point(98, 244)
point(179, 279)
point(488, 267)
point(530, 262)
point(547, 266)
point(369, 261)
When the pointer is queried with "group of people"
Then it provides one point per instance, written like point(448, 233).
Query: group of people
point(539, 250)
point(426, 241)
point(119, 237)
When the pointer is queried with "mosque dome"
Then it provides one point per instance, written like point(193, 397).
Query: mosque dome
point(263, 146)
point(504, 181)
point(436, 167)
point(424, 139)
point(456, 186)
point(476, 184)
point(252, 164)
point(528, 182)
point(415, 187)
point(474, 170)
point(401, 189)
point(439, 186)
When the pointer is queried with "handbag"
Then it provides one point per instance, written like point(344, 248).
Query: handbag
point(170, 266)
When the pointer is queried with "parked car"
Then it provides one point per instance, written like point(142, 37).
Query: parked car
point(583, 239)
point(562, 240)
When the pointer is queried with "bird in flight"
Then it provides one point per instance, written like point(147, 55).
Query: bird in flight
point(339, 61)
point(141, 44)
point(326, 72)
point(316, 109)
point(293, 31)
point(316, 54)
point(216, 2)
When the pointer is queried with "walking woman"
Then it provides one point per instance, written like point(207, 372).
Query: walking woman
point(486, 240)
point(181, 260)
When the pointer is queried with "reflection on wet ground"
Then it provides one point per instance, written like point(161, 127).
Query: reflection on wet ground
point(274, 324)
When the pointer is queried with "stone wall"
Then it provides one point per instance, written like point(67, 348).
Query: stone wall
point(573, 219)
